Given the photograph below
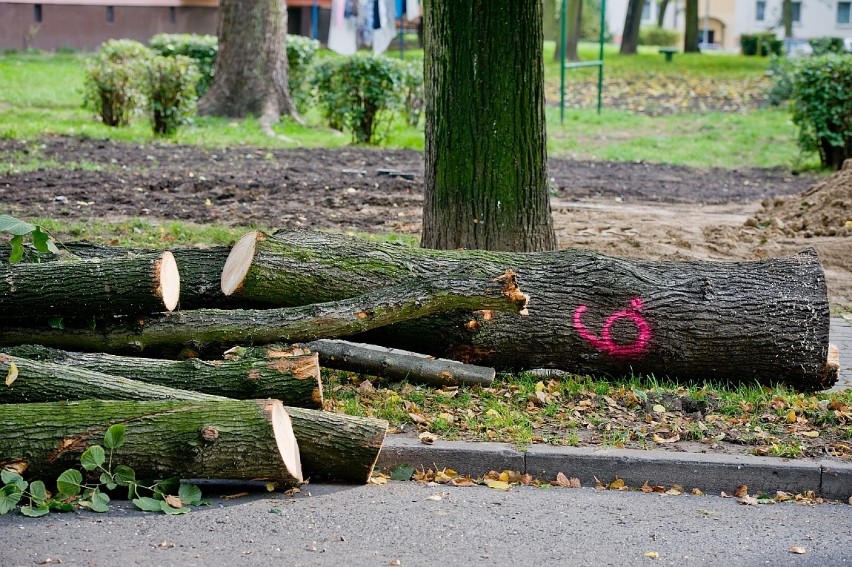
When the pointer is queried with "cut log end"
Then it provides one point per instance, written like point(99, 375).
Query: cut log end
point(285, 439)
point(168, 280)
point(239, 261)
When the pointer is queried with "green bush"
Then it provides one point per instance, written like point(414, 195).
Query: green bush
point(300, 56)
point(655, 35)
point(111, 87)
point(824, 45)
point(781, 70)
point(358, 92)
point(762, 44)
point(170, 88)
point(413, 96)
point(821, 103)
point(202, 49)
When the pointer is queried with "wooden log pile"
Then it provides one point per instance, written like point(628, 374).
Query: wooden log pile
point(202, 372)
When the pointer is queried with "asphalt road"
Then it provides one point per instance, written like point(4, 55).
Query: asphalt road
point(404, 523)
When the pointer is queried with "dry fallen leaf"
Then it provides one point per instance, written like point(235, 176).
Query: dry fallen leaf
point(659, 439)
point(617, 484)
point(697, 492)
point(748, 500)
point(497, 484)
point(791, 416)
point(12, 374)
point(462, 481)
point(798, 550)
point(235, 496)
point(652, 555)
point(434, 497)
point(811, 434)
point(174, 501)
point(378, 479)
point(659, 408)
point(742, 490)
point(562, 480)
point(427, 438)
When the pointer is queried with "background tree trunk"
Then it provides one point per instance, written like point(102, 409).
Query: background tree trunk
point(661, 15)
point(574, 16)
point(690, 36)
point(251, 66)
point(486, 167)
point(787, 17)
point(632, 21)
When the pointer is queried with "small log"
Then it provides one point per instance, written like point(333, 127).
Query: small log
point(230, 439)
point(39, 381)
point(148, 283)
point(398, 364)
point(287, 375)
point(202, 327)
point(763, 321)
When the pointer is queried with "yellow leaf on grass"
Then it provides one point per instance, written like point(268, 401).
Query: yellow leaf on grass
point(791, 416)
point(658, 439)
point(811, 434)
point(497, 484)
point(658, 408)
point(12, 374)
point(539, 387)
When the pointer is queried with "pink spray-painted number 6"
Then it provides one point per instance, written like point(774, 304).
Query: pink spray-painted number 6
point(606, 343)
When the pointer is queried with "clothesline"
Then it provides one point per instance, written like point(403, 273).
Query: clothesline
point(367, 22)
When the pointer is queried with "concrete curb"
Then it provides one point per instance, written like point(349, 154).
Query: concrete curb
point(711, 473)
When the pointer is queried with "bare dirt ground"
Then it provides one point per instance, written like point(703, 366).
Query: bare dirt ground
point(629, 209)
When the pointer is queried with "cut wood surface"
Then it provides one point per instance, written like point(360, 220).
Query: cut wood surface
point(37, 381)
point(290, 376)
point(398, 364)
point(147, 283)
point(412, 299)
point(762, 320)
point(231, 439)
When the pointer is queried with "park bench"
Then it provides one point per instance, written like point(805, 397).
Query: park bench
point(668, 52)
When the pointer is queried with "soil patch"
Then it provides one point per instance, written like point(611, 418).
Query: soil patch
point(631, 209)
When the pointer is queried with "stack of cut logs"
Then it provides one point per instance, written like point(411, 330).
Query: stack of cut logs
point(256, 411)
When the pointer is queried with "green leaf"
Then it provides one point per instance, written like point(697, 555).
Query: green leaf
point(56, 323)
point(124, 475)
point(148, 504)
point(69, 483)
point(402, 472)
point(168, 486)
point(15, 226)
point(189, 494)
point(108, 481)
point(10, 495)
point(61, 506)
point(35, 512)
point(43, 243)
point(172, 511)
point(38, 490)
point(17, 243)
point(10, 477)
point(114, 436)
point(93, 457)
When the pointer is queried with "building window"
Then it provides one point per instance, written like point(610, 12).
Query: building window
point(797, 12)
point(172, 15)
point(110, 14)
point(761, 11)
point(37, 13)
point(844, 12)
point(646, 10)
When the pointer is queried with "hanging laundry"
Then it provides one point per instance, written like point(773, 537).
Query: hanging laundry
point(342, 33)
point(383, 36)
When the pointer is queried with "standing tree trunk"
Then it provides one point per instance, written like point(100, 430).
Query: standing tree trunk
point(486, 166)
point(690, 36)
point(574, 18)
point(251, 66)
point(630, 35)
point(661, 15)
point(787, 17)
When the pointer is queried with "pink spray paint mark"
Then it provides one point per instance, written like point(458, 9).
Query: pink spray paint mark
point(606, 343)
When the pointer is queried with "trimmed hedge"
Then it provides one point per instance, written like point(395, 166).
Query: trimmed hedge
point(765, 43)
point(655, 35)
point(202, 49)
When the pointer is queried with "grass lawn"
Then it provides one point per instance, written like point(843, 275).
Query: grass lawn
point(41, 94)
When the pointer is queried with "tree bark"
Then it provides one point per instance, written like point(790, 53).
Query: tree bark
point(574, 17)
point(292, 377)
point(589, 313)
point(486, 167)
point(210, 327)
point(148, 283)
point(632, 22)
point(787, 17)
point(397, 364)
point(251, 65)
point(661, 15)
point(228, 439)
point(690, 35)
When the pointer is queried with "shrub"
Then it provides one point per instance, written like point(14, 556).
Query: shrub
point(412, 88)
point(300, 56)
point(655, 35)
point(762, 44)
point(111, 88)
point(781, 70)
point(202, 49)
point(357, 92)
point(821, 103)
point(170, 88)
point(824, 45)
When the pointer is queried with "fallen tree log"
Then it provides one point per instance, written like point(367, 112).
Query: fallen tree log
point(292, 377)
point(397, 364)
point(333, 446)
point(147, 283)
point(231, 439)
point(206, 327)
point(589, 313)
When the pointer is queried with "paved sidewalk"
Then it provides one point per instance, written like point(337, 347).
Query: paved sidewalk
point(840, 334)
